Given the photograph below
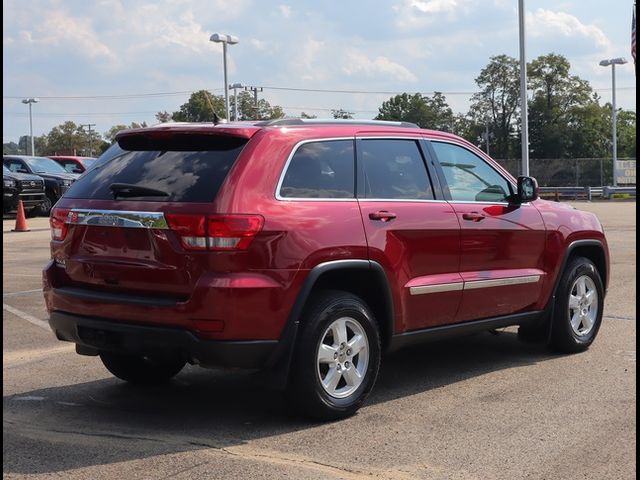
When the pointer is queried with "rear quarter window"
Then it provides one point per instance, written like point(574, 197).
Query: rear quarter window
point(323, 169)
point(188, 168)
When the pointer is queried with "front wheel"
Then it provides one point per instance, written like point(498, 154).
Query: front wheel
point(141, 369)
point(45, 207)
point(579, 306)
point(337, 358)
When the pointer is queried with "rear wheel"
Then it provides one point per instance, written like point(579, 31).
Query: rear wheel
point(579, 306)
point(337, 357)
point(141, 369)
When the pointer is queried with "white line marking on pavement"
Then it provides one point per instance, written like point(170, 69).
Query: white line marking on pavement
point(30, 398)
point(5, 274)
point(23, 292)
point(25, 316)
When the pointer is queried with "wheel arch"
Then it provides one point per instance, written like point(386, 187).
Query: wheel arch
point(363, 278)
point(593, 250)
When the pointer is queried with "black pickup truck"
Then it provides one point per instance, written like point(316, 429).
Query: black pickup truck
point(22, 186)
point(56, 179)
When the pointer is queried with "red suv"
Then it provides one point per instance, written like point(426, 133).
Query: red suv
point(308, 248)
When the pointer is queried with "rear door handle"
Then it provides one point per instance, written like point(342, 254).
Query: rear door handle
point(382, 215)
point(473, 216)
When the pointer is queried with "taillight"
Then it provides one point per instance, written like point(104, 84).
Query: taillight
point(58, 222)
point(215, 232)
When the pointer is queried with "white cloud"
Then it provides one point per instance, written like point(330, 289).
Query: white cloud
point(59, 29)
point(358, 62)
point(258, 44)
point(419, 13)
point(543, 23)
point(285, 10)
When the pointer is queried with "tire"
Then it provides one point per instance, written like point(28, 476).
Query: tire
point(32, 212)
point(336, 320)
point(142, 370)
point(578, 308)
point(45, 207)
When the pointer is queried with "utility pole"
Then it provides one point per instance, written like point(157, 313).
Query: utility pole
point(255, 91)
point(89, 125)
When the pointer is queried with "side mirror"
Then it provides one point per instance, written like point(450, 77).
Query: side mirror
point(527, 189)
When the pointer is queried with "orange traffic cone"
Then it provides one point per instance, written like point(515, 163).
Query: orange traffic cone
point(21, 220)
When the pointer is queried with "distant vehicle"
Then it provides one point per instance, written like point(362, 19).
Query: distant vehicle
point(56, 179)
point(73, 164)
point(21, 186)
point(306, 249)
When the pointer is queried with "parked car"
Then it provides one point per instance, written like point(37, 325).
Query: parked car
point(307, 249)
point(21, 186)
point(56, 179)
point(74, 164)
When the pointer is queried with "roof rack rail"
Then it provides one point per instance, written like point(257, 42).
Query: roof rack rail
point(284, 122)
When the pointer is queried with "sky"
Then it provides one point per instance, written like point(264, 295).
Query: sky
point(108, 62)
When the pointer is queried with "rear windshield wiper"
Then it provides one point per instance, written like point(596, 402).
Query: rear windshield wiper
point(126, 190)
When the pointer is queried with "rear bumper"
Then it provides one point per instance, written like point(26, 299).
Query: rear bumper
point(94, 334)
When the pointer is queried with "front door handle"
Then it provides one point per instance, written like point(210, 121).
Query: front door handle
point(382, 215)
point(473, 216)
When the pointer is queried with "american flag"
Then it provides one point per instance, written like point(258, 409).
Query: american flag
point(633, 34)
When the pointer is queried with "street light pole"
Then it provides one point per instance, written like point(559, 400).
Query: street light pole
point(235, 87)
point(30, 101)
point(224, 40)
point(614, 114)
point(524, 117)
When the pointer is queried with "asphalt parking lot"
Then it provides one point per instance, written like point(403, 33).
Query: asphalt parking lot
point(481, 407)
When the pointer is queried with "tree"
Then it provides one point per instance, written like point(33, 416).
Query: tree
point(557, 108)
point(69, 138)
point(10, 148)
point(202, 106)
point(342, 114)
point(626, 126)
point(422, 110)
point(110, 135)
point(497, 103)
point(164, 116)
point(247, 109)
point(40, 144)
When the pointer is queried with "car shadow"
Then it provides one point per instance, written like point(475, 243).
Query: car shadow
point(108, 421)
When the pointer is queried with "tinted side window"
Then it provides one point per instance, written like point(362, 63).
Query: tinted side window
point(321, 170)
point(469, 177)
point(394, 169)
point(68, 165)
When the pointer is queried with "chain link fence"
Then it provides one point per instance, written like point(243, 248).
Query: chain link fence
point(568, 172)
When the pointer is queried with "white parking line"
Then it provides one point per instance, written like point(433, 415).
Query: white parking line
point(7, 274)
point(25, 316)
point(23, 292)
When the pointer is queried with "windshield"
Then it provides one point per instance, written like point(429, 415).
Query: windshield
point(5, 169)
point(87, 162)
point(44, 165)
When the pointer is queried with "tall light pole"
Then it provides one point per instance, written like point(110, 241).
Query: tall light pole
point(224, 40)
point(235, 87)
point(524, 117)
point(614, 115)
point(30, 101)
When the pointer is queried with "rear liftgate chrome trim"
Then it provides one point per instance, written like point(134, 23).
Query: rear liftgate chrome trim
point(117, 218)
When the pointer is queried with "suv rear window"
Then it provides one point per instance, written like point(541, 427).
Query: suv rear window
point(188, 168)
